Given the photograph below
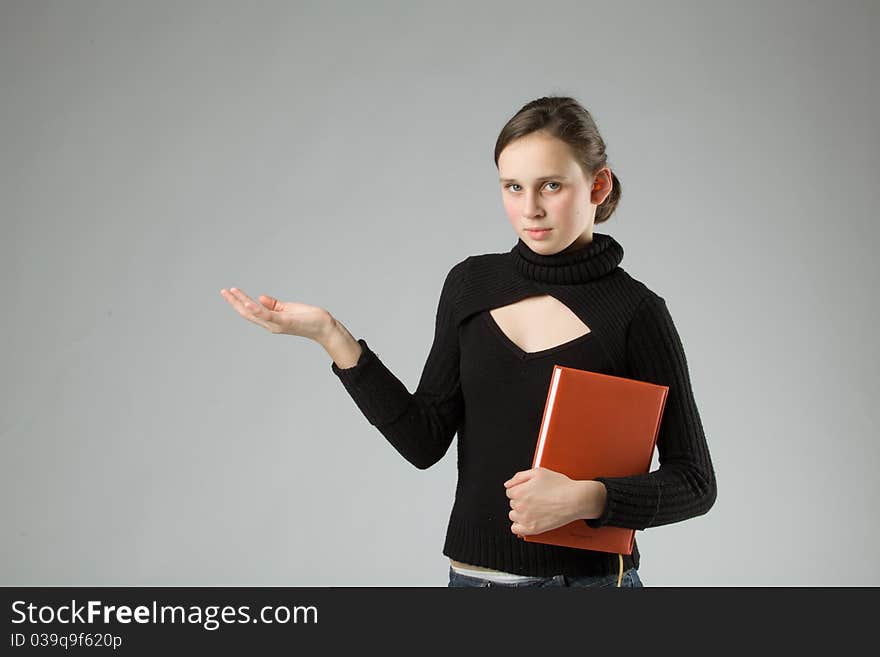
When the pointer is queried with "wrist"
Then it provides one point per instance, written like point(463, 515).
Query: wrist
point(340, 345)
point(592, 497)
point(330, 333)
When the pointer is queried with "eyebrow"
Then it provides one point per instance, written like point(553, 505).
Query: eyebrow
point(553, 177)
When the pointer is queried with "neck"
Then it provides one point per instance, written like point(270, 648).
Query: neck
point(592, 261)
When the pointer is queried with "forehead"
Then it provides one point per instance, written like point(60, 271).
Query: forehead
point(535, 154)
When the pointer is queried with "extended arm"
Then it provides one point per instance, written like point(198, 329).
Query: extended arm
point(421, 425)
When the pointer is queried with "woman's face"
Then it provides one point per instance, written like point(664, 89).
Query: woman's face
point(542, 186)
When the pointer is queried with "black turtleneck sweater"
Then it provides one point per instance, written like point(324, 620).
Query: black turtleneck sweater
point(477, 383)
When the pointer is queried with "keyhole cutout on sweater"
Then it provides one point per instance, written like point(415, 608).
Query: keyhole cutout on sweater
point(538, 323)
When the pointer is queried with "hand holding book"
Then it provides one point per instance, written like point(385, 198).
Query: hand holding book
point(542, 499)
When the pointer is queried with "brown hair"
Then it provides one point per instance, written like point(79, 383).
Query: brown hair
point(566, 119)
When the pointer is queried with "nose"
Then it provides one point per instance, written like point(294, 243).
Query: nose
point(530, 205)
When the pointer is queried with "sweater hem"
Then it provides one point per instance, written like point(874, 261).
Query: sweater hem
point(499, 549)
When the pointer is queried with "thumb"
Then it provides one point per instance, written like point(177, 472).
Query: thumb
point(270, 302)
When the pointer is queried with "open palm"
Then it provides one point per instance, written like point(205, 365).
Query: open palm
point(290, 317)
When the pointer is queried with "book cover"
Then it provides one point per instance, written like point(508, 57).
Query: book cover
point(597, 425)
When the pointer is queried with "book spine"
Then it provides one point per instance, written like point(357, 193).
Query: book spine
point(548, 413)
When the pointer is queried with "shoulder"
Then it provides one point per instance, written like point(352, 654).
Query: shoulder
point(486, 262)
point(456, 278)
point(470, 282)
point(647, 313)
point(638, 291)
point(476, 267)
point(457, 273)
point(650, 319)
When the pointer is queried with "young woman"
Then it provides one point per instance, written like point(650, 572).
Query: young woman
point(559, 296)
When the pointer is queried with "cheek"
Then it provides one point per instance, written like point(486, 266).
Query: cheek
point(512, 211)
point(566, 203)
point(566, 208)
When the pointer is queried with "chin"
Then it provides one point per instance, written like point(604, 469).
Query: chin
point(544, 246)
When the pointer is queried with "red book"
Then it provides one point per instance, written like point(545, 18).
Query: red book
point(597, 425)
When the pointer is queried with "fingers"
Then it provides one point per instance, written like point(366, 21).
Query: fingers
point(247, 307)
point(238, 300)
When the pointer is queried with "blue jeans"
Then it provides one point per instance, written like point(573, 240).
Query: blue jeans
point(630, 580)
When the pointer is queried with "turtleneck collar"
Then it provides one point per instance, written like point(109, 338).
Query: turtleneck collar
point(592, 261)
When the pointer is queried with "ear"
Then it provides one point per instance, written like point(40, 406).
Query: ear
point(602, 184)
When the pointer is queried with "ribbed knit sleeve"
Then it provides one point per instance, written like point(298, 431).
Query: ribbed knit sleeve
point(684, 484)
point(421, 425)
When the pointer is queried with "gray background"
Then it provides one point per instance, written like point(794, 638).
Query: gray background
point(340, 154)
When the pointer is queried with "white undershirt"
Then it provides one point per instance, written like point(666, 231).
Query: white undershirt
point(492, 575)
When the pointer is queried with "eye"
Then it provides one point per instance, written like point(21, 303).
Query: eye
point(517, 185)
